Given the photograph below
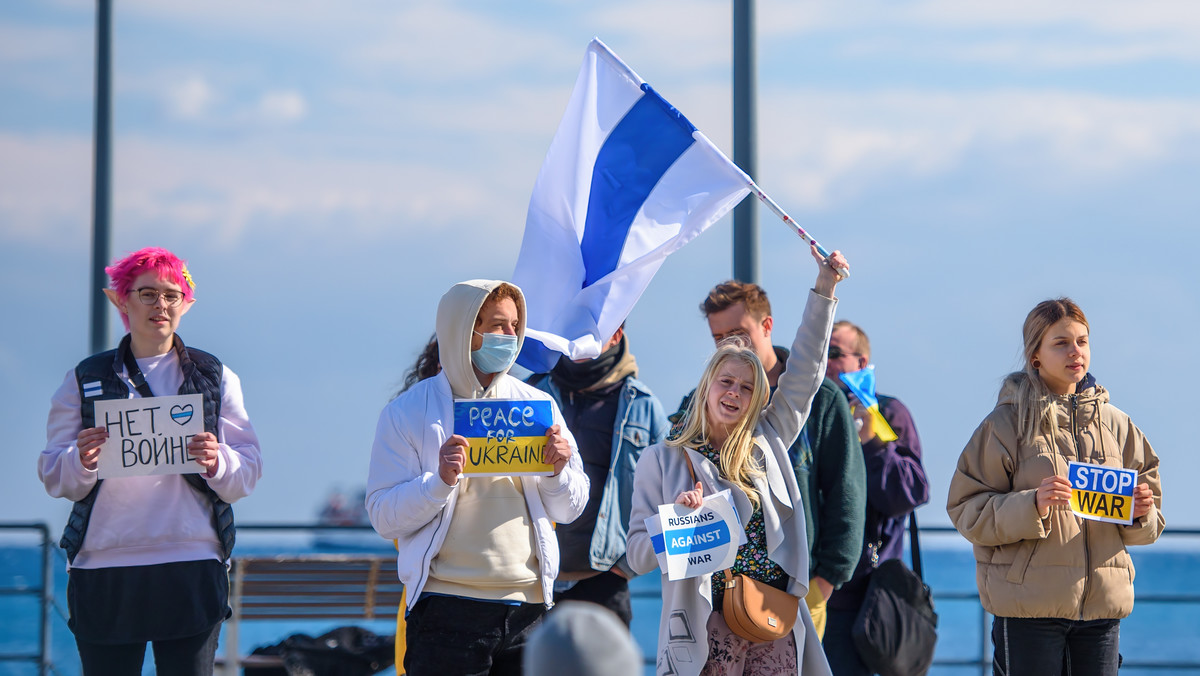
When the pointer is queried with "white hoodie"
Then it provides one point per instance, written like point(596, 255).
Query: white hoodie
point(407, 499)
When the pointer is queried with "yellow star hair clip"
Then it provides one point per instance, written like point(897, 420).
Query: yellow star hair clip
point(187, 277)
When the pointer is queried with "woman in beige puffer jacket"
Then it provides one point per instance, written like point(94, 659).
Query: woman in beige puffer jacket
point(1056, 583)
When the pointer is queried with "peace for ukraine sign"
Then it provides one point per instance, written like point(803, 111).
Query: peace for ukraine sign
point(506, 437)
point(1102, 493)
point(690, 543)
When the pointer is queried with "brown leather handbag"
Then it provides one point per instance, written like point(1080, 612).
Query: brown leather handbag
point(754, 610)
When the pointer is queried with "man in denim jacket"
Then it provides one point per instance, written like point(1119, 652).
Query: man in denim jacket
point(613, 416)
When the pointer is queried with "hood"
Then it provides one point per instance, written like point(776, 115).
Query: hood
point(455, 322)
point(1088, 391)
point(611, 367)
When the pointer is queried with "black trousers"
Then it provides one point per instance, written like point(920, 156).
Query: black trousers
point(607, 589)
point(1054, 647)
point(839, 645)
point(450, 635)
point(190, 656)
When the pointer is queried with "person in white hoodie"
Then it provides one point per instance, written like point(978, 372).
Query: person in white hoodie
point(477, 555)
point(148, 554)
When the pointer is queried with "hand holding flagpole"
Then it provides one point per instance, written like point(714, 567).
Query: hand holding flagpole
point(829, 271)
point(843, 272)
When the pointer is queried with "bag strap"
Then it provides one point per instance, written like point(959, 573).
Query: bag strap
point(135, 374)
point(914, 544)
point(688, 458)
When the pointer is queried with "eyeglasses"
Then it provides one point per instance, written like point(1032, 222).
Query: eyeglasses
point(149, 296)
point(836, 352)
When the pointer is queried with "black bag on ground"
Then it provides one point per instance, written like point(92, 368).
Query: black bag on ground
point(896, 629)
point(345, 651)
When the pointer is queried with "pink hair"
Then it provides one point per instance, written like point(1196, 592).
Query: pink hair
point(167, 265)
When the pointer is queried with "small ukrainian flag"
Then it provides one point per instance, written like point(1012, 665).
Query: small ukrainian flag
point(862, 385)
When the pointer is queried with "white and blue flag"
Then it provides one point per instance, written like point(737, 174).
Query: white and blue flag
point(627, 181)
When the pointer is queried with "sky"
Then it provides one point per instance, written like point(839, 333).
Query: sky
point(329, 169)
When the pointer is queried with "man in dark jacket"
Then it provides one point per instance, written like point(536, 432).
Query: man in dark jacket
point(826, 456)
point(896, 486)
point(613, 417)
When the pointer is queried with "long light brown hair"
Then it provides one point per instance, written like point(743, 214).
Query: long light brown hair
point(738, 464)
point(1035, 403)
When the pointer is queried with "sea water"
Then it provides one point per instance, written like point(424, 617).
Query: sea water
point(1159, 631)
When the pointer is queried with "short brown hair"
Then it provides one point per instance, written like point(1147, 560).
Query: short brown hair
point(728, 294)
point(862, 345)
point(504, 290)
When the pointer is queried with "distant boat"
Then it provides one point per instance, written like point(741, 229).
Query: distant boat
point(354, 533)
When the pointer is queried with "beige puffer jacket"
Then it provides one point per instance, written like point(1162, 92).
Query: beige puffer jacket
point(1062, 566)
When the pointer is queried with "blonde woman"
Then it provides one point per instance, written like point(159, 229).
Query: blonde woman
point(734, 439)
point(1057, 584)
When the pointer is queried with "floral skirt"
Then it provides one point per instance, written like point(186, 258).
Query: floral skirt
point(732, 655)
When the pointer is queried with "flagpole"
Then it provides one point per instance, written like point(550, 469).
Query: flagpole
point(783, 216)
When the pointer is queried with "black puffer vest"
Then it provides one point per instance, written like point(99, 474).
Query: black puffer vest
point(201, 375)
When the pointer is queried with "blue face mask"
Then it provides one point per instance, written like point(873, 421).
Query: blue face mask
point(497, 353)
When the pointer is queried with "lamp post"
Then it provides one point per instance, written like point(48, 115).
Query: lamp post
point(101, 176)
point(745, 139)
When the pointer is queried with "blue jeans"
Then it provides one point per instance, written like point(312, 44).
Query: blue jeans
point(452, 635)
point(1055, 647)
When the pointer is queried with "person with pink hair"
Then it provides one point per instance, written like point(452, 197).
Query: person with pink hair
point(147, 555)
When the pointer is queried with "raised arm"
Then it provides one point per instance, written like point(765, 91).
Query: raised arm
point(805, 368)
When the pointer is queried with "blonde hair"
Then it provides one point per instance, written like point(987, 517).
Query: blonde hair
point(737, 461)
point(1035, 403)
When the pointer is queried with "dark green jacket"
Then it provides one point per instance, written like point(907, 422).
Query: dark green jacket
point(831, 472)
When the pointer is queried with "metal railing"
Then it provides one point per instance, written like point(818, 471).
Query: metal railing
point(984, 662)
point(43, 589)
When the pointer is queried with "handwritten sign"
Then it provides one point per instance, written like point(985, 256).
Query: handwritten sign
point(1102, 493)
point(149, 436)
point(695, 542)
point(507, 437)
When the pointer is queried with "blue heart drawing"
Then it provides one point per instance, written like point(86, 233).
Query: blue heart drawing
point(181, 414)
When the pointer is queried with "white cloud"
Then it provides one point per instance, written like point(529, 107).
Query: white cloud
point(45, 190)
point(436, 41)
point(282, 106)
point(1024, 33)
point(1116, 17)
point(189, 98)
point(20, 43)
point(45, 186)
point(666, 38)
point(820, 149)
point(830, 148)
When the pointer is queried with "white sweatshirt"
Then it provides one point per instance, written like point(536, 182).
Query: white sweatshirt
point(139, 521)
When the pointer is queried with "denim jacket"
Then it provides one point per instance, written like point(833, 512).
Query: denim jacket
point(640, 422)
